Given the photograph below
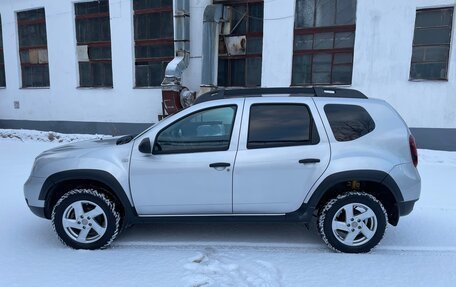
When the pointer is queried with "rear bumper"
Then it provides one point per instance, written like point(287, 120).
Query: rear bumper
point(408, 180)
point(406, 207)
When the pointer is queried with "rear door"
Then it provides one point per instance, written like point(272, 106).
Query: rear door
point(283, 150)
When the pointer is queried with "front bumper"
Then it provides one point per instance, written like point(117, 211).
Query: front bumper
point(32, 189)
point(38, 211)
point(406, 207)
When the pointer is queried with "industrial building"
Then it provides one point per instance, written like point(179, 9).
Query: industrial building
point(107, 66)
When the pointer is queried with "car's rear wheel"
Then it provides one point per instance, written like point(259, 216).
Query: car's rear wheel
point(353, 222)
point(86, 219)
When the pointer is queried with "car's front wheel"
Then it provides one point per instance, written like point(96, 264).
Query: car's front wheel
point(353, 222)
point(85, 219)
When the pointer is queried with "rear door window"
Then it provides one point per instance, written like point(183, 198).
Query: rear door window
point(349, 122)
point(280, 125)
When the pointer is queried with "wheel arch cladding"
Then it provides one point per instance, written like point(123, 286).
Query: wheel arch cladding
point(64, 181)
point(375, 182)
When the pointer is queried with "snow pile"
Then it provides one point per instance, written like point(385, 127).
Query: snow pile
point(32, 135)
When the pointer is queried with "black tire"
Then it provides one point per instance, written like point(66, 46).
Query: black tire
point(111, 220)
point(329, 210)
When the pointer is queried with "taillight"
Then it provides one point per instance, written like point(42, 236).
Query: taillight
point(413, 150)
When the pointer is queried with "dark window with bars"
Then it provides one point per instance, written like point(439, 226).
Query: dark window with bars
point(93, 37)
point(33, 48)
point(324, 39)
point(154, 40)
point(431, 44)
point(2, 58)
point(240, 52)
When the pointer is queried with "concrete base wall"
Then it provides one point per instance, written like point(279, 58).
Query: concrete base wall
point(438, 139)
point(426, 138)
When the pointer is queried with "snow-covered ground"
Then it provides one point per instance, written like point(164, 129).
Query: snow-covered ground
point(421, 251)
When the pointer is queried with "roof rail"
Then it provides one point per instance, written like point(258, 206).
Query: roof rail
point(222, 93)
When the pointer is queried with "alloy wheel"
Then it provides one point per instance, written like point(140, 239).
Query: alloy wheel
point(84, 221)
point(354, 224)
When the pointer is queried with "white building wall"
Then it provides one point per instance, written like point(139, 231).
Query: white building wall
point(383, 48)
point(278, 29)
point(64, 100)
point(383, 52)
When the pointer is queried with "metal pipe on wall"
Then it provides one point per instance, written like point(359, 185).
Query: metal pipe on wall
point(174, 70)
point(213, 16)
point(174, 96)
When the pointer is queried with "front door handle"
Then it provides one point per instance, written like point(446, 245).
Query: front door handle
point(309, 160)
point(219, 165)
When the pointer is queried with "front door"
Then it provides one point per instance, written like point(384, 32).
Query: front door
point(190, 170)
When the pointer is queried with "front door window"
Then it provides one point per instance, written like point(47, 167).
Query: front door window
point(203, 131)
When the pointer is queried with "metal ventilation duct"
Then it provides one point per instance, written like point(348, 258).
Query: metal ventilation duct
point(174, 70)
point(213, 15)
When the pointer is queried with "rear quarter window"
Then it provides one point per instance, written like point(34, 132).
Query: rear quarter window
point(348, 122)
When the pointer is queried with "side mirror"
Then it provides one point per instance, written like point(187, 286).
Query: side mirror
point(145, 146)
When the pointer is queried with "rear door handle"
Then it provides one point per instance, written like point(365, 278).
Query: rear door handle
point(219, 164)
point(309, 160)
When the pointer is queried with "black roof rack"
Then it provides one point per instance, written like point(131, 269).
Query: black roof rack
point(220, 94)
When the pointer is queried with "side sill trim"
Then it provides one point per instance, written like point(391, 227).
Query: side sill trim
point(211, 215)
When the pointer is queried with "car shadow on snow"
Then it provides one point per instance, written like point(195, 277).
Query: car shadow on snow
point(220, 233)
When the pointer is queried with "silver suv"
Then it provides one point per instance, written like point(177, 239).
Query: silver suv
point(277, 154)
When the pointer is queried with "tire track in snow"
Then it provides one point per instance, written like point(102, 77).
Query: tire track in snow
point(211, 268)
point(276, 247)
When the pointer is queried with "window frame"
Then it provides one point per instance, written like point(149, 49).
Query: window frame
point(152, 42)
point(415, 28)
point(25, 22)
point(94, 44)
point(230, 59)
point(314, 30)
point(314, 136)
point(235, 108)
